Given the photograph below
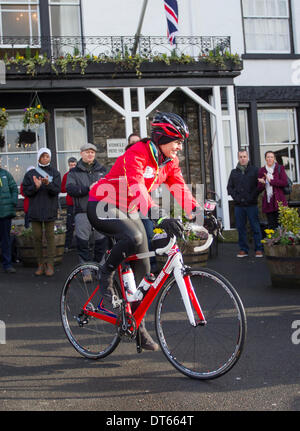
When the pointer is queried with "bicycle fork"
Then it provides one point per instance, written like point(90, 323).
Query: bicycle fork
point(188, 296)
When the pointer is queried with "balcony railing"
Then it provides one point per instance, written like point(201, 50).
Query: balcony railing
point(113, 46)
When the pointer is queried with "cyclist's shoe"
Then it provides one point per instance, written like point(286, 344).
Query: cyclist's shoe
point(147, 341)
point(106, 278)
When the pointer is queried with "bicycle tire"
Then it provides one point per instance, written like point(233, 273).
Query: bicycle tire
point(95, 338)
point(211, 350)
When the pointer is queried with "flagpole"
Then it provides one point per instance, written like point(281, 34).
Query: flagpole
point(138, 32)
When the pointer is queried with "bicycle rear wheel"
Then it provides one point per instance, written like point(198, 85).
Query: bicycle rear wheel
point(205, 351)
point(90, 336)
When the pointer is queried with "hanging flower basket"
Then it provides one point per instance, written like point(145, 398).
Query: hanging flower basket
point(3, 123)
point(26, 138)
point(3, 118)
point(36, 114)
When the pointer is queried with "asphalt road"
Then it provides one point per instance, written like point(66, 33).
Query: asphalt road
point(40, 370)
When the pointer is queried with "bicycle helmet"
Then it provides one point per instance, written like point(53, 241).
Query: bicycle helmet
point(168, 127)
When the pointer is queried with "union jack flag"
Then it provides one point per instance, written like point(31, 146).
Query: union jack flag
point(171, 8)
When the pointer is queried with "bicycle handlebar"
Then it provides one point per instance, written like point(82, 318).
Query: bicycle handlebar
point(172, 241)
point(206, 245)
point(168, 247)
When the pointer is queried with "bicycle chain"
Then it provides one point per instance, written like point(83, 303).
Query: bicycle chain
point(127, 325)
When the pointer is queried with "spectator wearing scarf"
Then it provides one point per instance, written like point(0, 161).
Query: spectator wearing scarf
point(272, 180)
point(42, 186)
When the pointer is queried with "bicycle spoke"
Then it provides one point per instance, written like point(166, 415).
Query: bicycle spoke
point(206, 351)
point(90, 336)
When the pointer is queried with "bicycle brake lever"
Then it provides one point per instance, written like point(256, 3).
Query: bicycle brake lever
point(221, 235)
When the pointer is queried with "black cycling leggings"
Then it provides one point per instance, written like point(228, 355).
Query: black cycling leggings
point(128, 231)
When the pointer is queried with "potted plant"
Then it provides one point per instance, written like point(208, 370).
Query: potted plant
point(282, 248)
point(3, 124)
point(26, 251)
point(192, 239)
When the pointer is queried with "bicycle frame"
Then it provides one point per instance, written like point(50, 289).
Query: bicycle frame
point(174, 264)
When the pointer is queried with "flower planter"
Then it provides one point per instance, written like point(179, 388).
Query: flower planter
point(27, 252)
point(60, 69)
point(284, 264)
point(190, 257)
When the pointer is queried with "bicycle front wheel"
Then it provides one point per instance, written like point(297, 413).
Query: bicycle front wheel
point(91, 336)
point(211, 349)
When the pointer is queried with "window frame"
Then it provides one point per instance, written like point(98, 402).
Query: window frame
point(262, 144)
point(263, 52)
point(63, 3)
point(18, 153)
point(71, 152)
point(31, 38)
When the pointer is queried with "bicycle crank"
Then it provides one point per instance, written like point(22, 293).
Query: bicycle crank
point(127, 324)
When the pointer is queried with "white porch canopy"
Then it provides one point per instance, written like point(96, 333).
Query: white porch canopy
point(217, 118)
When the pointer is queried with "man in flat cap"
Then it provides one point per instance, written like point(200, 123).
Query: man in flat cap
point(79, 181)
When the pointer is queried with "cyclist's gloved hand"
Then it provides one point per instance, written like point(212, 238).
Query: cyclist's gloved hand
point(171, 226)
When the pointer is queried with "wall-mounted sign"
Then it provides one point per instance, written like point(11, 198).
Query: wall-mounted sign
point(115, 147)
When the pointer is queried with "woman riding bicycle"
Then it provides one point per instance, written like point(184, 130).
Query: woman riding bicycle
point(117, 200)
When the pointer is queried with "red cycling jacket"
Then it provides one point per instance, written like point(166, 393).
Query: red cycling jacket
point(69, 200)
point(135, 174)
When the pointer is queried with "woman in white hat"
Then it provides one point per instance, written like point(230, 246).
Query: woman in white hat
point(42, 186)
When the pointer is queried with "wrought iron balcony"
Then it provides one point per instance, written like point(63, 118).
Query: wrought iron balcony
point(114, 46)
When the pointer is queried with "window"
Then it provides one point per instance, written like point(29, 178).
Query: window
point(244, 133)
point(267, 26)
point(277, 133)
point(243, 124)
point(17, 157)
point(65, 21)
point(227, 147)
point(71, 134)
point(19, 22)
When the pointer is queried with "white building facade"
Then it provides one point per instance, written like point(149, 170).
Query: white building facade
point(257, 108)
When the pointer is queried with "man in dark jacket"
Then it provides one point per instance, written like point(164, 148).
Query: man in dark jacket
point(8, 203)
point(242, 186)
point(42, 186)
point(79, 181)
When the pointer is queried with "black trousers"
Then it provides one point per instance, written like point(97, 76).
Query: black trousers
point(128, 232)
point(5, 243)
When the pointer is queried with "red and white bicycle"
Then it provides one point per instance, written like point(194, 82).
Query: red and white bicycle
point(200, 319)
